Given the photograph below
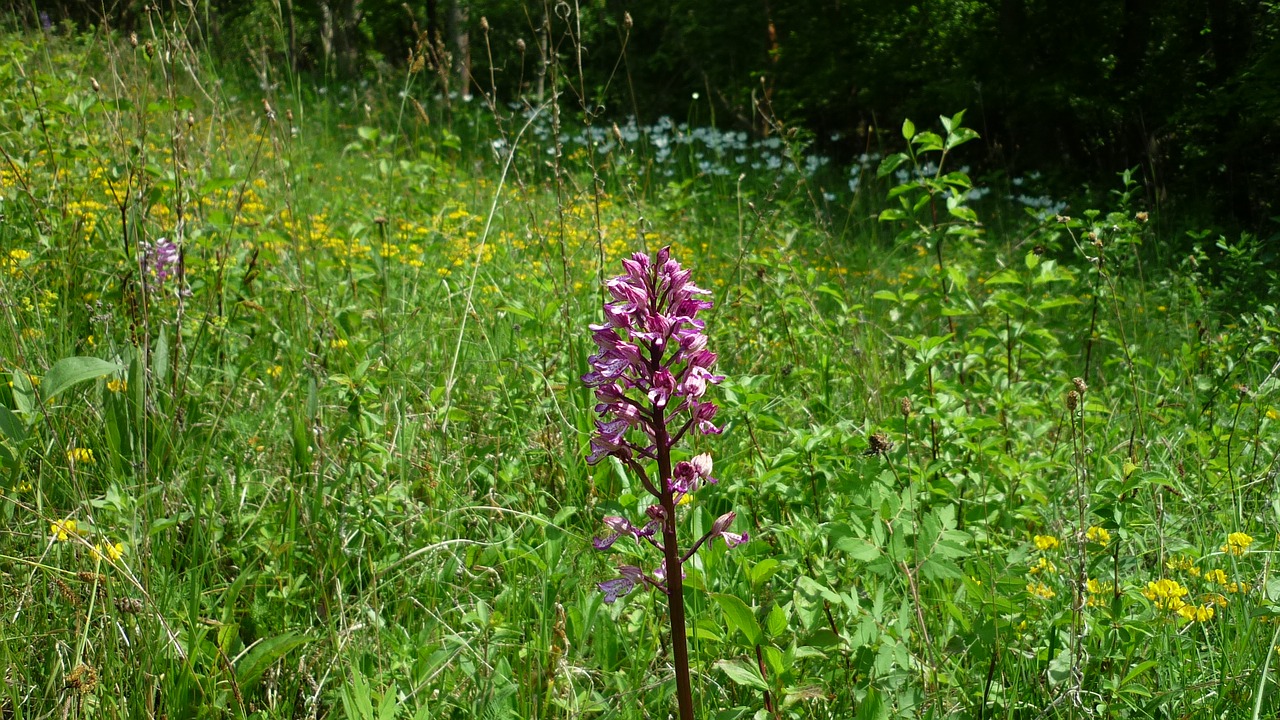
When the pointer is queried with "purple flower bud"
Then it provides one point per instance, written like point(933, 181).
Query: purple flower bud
point(702, 465)
point(721, 527)
point(722, 523)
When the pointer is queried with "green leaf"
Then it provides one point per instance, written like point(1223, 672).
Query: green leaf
point(857, 548)
point(763, 570)
point(69, 372)
point(743, 674)
point(24, 394)
point(10, 426)
point(264, 655)
point(740, 617)
point(1004, 277)
point(1060, 668)
point(964, 213)
point(776, 622)
point(1137, 671)
point(890, 163)
point(160, 360)
point(935, 569)
point(908, 129)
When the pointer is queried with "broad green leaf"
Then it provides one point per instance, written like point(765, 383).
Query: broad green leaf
point(908, 129)
point(69, 372)
point(890, 163)
point(24, 393)
point(266, 653)
point(743, 674)
point(740, 617)
point(810, 586)
point(964, 213)
point(776, 622)
point(1141, 668)
point(936, 569)
point(859, 549)
point(1004, 277)
point(160, 359)
point(10, 426)
point(763, 570)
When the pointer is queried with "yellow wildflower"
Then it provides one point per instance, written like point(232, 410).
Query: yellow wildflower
point(1098, 535)
point(1273, 414)
point(1196, 613)
point(111, 551)
point(1184, 564)
point(117, 386)
point(1046, 542)
point(1166, 594)
point(275, 370)
point(1044, 566)
point(1237, 544)
point(1096, 588)
point(63, 529)
point(1216, 576)
point(339, 344)
point(80, 455)
point(1041, 591)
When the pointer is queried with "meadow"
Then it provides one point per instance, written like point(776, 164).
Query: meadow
point(293, 421)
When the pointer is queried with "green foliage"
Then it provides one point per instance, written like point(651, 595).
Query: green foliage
point(991, 466)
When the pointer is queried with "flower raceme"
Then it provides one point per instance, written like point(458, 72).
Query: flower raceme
point(653, 366)
point(650, 375)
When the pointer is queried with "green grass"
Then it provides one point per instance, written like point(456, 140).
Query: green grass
point(347, 468)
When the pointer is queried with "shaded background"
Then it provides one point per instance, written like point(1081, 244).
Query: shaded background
point(1186, 90)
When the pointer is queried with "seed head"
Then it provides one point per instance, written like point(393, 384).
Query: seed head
point(626, 20)
point(484, 24)
point(905, 407)
point(66, 592)
point(1141, 217)
point(878, 444)
point(94, 82)
point(1081, 387)
point(83, 679)
point(1073, 401)
point(520, 46)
